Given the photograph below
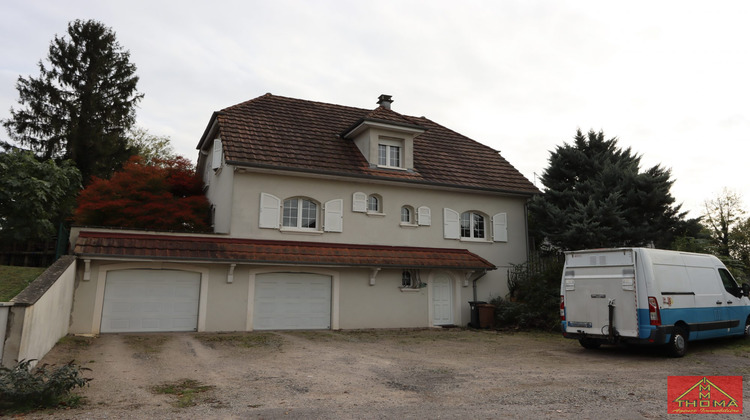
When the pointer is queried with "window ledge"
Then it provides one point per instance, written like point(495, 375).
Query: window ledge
point(395, 168)
point(301, 231)
point(478, 240)
point(375, 213)
point(408, 225)
point(409, 289)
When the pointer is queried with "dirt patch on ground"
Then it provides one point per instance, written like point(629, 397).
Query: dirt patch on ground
point(451, 373)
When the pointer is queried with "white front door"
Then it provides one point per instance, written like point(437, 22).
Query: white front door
point(442, 300)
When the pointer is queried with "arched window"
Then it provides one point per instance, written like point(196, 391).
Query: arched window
point(473, 225)
point(407, 215)
point(374, 204)
point(300, 213)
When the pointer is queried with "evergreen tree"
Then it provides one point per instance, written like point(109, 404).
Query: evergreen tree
point(596, 196)
point(82, 104)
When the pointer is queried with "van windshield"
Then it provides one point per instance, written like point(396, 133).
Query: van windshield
point(729, 284)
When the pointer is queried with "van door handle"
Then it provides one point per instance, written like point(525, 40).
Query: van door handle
point(729, 302)
point(718, 302)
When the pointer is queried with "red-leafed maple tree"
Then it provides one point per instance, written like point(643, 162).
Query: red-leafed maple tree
point(165, 195)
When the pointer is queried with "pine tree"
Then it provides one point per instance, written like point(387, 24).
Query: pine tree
point(82, 104)
point(596, 196)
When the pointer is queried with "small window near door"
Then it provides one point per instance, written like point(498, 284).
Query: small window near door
point(410, 281)
point(406, 279)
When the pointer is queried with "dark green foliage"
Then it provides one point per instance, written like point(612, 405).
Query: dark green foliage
point(22, 388)
point(82, 104)
point(34, 196)
point(534, 298)
point(596, 196)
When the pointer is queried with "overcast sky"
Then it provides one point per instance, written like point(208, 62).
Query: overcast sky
point(667, 78)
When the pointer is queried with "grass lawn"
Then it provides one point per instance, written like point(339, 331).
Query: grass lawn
point(15, 279)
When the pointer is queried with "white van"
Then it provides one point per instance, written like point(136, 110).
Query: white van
point(650, 296)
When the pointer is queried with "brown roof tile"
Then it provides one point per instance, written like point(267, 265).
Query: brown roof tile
point(278, 132)
point(250, 251)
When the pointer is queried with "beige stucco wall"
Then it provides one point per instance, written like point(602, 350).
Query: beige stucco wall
point(362, 228)
point(47, 320)
point(228, 306)
point(220, 194)
point(382, 305)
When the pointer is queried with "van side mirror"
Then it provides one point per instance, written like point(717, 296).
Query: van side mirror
point(746, 289)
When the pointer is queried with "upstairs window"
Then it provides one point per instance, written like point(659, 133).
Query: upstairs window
point(473, 225)
point(300, 213)
point(389, 154)
point(373, 204)
point(407, 215)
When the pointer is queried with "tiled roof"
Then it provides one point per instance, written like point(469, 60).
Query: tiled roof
point(204, 248)
point(285, 133)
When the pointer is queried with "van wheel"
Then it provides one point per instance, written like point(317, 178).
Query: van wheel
point(589, 344)
point(747, 328)
point(678, 343)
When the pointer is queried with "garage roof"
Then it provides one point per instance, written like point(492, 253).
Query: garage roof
point(209, 248)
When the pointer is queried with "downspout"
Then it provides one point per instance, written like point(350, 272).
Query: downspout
point(474, 283)
point(526, 227)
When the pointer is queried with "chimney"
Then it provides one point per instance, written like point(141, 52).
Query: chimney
point(385, 101)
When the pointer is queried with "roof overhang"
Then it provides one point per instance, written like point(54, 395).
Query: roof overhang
point(214, 248)
point(368, 123)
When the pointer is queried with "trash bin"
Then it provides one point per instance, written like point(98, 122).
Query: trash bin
point(474, 305)
point(486, 315)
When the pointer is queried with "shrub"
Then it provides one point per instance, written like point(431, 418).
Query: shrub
point(534, 298)
point(44, 386)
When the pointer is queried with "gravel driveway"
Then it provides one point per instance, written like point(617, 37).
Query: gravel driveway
point(450, 373)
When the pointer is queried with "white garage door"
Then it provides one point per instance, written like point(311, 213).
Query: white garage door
point(292, 301)
point(151, 300)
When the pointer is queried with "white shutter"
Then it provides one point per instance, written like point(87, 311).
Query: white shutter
point(217, 155)
point(451, 224)
point(423, 216)
point(500, 227)
point(334, 216)
point(359, 202)
point(269, 211)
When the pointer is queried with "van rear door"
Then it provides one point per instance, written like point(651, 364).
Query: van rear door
point(593, 280)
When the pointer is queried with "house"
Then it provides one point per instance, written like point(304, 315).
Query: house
point(325, 217)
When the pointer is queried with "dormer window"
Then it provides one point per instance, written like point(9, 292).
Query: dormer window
point(389, 154)
point(385, 138)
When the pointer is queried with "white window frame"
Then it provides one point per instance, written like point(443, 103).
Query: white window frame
point(471, 215)
point(380, 205)
point(389, 146)
point(299, 217)
point(411, 213)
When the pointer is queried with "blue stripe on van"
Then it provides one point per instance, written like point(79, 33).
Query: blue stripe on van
point(697, 316)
